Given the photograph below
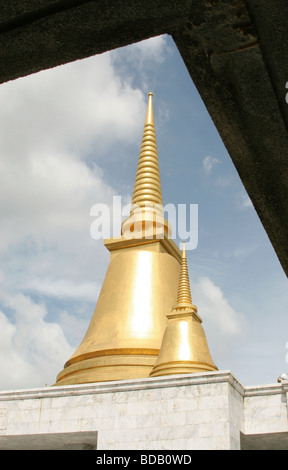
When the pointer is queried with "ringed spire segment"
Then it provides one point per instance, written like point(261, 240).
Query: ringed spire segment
point(147, 188)
point(184, 292)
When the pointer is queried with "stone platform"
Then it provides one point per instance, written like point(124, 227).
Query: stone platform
point(210, 411)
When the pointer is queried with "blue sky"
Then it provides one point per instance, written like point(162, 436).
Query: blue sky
point(70, 139)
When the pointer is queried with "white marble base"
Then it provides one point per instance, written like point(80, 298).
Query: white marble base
point(184, 412)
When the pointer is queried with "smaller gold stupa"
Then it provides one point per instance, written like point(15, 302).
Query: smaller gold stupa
point(184, 346)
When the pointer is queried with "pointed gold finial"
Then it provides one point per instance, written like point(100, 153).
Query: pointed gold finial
point(184, 347)
point(184, 293)
point(147, 188)
point(146, 218)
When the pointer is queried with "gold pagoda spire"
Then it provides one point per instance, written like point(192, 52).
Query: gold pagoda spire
point(147, 188)
point(184, 293)
point(184, 347)
point(146, 218)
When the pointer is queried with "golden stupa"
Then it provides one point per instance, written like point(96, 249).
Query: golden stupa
point(125, 334)
point(184, 347)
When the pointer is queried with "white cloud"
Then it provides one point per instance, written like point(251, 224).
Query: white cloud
point(147, 53)
point(243, 201)
point(209, 163)
point(65, 289)
point(68, 107)
point(154, 50)
point(224, 181)
point(242, 253)
point(32, 350)
point(216, 308)
point(144, 57)
point(49, 122)
point(222, 324)
point(74, 326)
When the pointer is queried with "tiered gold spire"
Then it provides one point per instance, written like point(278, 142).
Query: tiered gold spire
point(184, 293)
point(184, 347)
point(146, 218)
point(147, 188)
